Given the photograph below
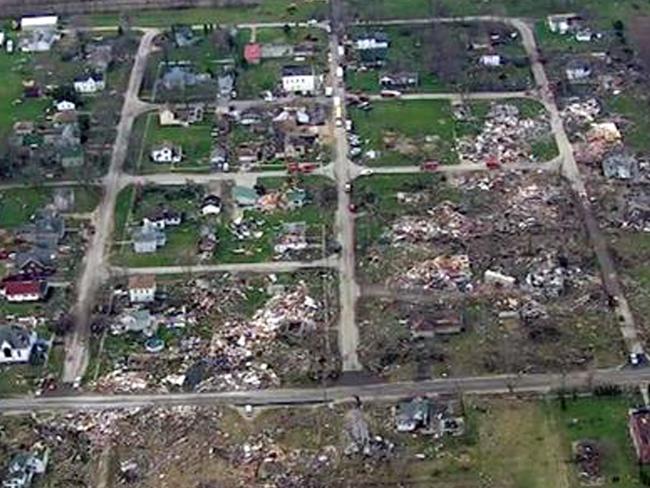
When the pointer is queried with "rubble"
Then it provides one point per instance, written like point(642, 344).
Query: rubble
point(505, 137)
point(441, 221)
point(441, 273)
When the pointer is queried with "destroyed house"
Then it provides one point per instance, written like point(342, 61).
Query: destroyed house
point(399, 80)
point(414, 414)
point(437, 324)
point(639, 425)
point(577, 70)
point(23, 467)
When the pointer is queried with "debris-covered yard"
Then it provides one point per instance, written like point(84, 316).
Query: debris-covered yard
point(483, 273)
point(220, 332)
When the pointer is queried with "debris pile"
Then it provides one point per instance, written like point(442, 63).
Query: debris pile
point(588, 457)
point(504, 137)
point(444, 220)
point(551, 277)
point(440, 273)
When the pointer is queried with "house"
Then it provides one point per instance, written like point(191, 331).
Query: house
point(563, 23)
point(136, 321)
point(275, 51)
point(225, 85)
point(89, 83)
point(372, 41)
point(65, 105)
point(211, 205)
point(23, 291)
point(99, 57)
point(250, 117)
point(253, 53)
point(621, 166)
point(166, 117)
point(49, 227)
point(584, 35)
point(293, 237)
point(437, 324)
point(148, 239)
point(219, 158)
point(166, 153)
point(37, 41)
point(37, 261)
point(414, 414)
point(184, 36)
point(491, 60)
point(244, 196)
point(180, 77)
point(142, 288)
point(299, 79)
point(31, 89)
point(2, 38)
point(296, 198)
point(47, 22)
point(71, 156)
point(23, 127)
point(16, 344)
point(24, 466)
point(247, 154)
point(399, 80)
point(639, 425)
point(162, 218)
point(577, 70)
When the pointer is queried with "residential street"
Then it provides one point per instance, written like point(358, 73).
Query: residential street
point(486, 385)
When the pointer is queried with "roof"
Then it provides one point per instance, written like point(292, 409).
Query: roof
point(211, 200)
point(14, 288)
point(39, 21)
point(147, 234)
point(377, 36)
point(17, 336)
point(297, 70)
point(38, 255)
point(252, 52)
point(244, 193)
point(89, 76)
point(142, 281)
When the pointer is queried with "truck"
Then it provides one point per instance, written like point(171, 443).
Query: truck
point(338, 111)
point(339, 72)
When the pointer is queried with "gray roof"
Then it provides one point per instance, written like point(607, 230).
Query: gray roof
point(42, 256)
point(16, 336)
point(297, 70)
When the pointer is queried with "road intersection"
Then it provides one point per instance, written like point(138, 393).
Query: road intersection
point(96, 268)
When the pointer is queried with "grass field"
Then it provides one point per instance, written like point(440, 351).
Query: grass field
point(268, 10)
point(603, 419)
point(18, 205)
point(634, 108)
point(412, 120)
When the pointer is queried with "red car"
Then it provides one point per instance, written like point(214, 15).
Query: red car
point(352, 207)
point(430, 166)
point(492, 163)
point(307, 167)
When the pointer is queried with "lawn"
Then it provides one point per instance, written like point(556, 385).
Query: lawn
point(425, 129)
point(195, 141)
point(634, 108)
point(269, 10)
point(603, 419)
point(122, 211)
point(18, 205)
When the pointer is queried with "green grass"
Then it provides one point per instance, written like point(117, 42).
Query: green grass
point(253, 79)
point(634, 108)
point(195, 141)
point(19, 204)
point(413, 120)
point(122, 211)
point(268, 10)
point(385, 9)
point(180, 249)
point(603, 419)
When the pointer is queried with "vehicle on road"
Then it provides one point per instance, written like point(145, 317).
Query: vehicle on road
point(430, 166)
point(366, 172)
point(391, 93)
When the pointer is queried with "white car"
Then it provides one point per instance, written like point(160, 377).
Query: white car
point(366, 172)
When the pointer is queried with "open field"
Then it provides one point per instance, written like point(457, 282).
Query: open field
point(407, 132)
point(18, 205)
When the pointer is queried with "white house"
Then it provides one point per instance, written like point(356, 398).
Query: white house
point(560, 24)
point(16, 344)
point(377, 40)
point(142, 288)
point(492, 60)
point(211, 205)
point(89, 83)
point(2, 38)
point(65, 106)
point(577, 71)
point(167, 153)
point(299, 79)
point(39, 23)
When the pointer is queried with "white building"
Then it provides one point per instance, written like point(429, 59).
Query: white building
point(211, 205)
point(577, 71)
point(89, 83)
point(167, 153)
point(65, 106)
point(299, 79)
point(39, 23)
point(492, 60)
point(377, 40)
point(16, 344)
point(142, 288)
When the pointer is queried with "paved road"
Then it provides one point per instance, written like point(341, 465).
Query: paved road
point(459, 97)
point(266, 267)
point(484, 385)
point(348, 289)
point(94, 266)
